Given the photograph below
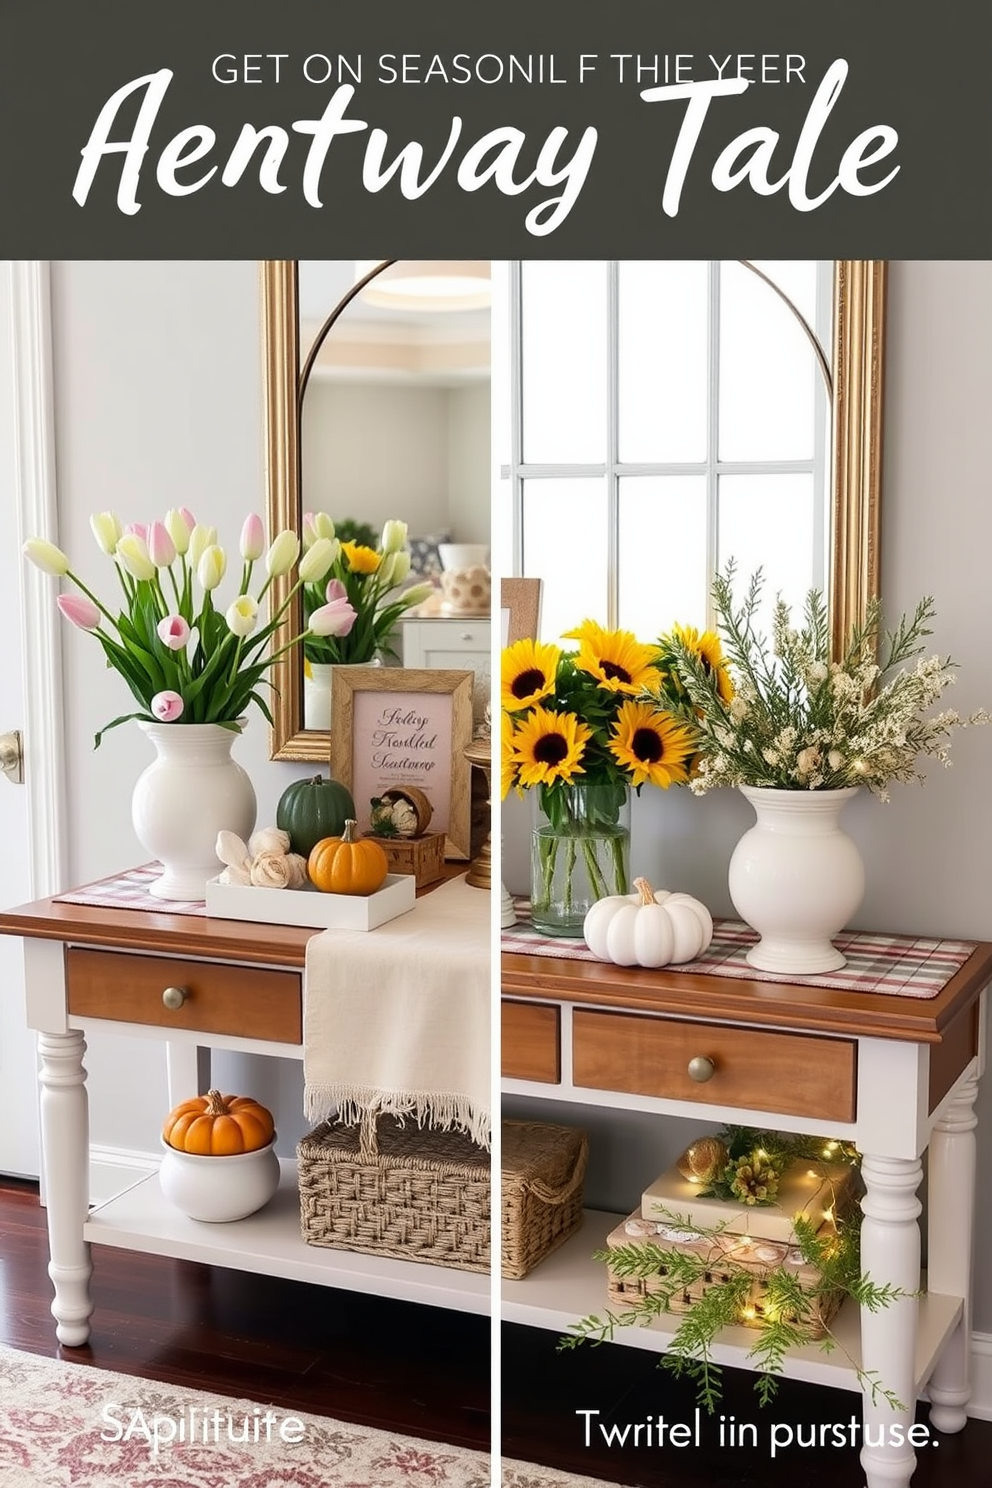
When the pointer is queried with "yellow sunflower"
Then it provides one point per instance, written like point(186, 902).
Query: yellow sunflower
point(528, 673)
point(361, 560)
point(507, 762)
point(651, 746)
point(706, 645)
point(549, 746)
point(616, 659)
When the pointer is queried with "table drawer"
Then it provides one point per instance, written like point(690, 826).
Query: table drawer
point(531, 1042)
point(792, 1074)
point(248, 1001)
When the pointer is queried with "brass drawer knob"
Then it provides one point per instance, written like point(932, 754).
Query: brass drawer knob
point(174, 997)
point(701, 1069)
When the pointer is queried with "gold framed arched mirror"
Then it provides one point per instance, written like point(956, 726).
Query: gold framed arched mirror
point(299, 328)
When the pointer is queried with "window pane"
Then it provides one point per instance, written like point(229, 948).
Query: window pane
point(662, 361)
point(768, 371)
point(565, 545)
point(564, 362)
point(766, 522)
point(662, 556)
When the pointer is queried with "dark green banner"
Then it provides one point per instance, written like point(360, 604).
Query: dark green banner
point(285, 128)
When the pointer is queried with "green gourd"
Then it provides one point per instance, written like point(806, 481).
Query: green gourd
point(310, 810)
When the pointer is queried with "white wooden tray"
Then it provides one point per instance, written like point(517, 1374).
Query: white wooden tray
point(311, 907)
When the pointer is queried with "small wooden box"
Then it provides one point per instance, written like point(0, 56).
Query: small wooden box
point(423, 857)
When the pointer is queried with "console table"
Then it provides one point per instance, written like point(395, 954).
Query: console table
point(892, 1074)
point(230, 985)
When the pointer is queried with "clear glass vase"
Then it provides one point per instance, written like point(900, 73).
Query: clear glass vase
point(580, 852)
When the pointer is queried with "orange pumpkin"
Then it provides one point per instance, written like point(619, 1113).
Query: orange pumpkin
point(215, 1125)
point(348, 864)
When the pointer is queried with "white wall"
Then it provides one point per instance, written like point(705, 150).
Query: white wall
point(158, 399)
point(928, 853)
point(421, 454)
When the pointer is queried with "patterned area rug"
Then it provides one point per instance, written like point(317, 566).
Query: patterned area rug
point(71, 1426)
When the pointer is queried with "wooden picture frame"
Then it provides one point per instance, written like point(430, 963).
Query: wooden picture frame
point(396, 726)
point(520, 610)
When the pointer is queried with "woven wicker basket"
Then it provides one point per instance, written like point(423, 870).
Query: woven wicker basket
point(391, 1190)
point(759, 1257)
point(543, 1170)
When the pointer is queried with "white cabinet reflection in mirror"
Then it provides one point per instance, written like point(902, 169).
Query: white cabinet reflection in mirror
point(451, 642)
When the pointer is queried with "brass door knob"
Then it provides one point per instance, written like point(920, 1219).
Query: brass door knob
point(174, 997)
point(12, 756)
point(701, 1069)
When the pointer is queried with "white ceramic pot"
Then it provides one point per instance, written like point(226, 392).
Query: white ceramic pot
point(219, 1190)
point(317, 690)
point(796, 878)
point(190, 792)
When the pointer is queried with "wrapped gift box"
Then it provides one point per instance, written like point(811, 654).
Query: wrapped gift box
point(807, 1187)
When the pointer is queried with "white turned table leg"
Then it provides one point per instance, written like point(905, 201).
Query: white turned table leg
point(890, 1253)
point(951, 1217)
point(66, 1159)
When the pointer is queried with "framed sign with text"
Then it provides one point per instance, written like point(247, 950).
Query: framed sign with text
point(395, 727)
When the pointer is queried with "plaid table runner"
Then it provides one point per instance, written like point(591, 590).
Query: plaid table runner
point(129, 890)
point(896, 964)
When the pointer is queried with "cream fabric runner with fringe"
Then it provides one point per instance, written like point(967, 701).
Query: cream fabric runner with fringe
point(396, 1020)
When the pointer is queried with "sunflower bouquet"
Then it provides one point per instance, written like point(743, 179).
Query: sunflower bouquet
point(578, 730)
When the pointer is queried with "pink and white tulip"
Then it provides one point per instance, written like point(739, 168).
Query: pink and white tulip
point(242, 615)
point(132, 551)
point(46, 556)
point(107, 530)
point(175, 526)
point(282, 554)
point(80, 610)
point(212, 566)
point(200, 539)
point(252, 538)
point(173, 632)
point(167, 706)
point(335, 590)
point(161, 548)
point(334, 619)
point(318, 559)
point(136, 529)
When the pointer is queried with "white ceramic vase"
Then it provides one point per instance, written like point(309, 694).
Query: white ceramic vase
point(192, 790)
point(796, 878)
point(317, 690)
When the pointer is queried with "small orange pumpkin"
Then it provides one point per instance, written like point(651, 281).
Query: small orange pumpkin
point(215, 1125)
point(348, 864)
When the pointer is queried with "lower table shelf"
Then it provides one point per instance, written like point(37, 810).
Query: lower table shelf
point(141, 1218)
point(570, 1285)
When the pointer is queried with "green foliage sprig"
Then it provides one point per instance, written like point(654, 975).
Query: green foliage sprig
point(799, 720)
point(792, 1310)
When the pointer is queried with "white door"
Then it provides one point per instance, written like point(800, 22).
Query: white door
point(30, 835)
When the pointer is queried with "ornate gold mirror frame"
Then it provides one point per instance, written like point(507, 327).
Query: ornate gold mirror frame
point(857, 368)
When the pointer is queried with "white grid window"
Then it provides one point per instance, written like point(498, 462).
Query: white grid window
point(655, 419)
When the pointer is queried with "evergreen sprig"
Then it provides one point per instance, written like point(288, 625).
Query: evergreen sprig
point(792, 1311)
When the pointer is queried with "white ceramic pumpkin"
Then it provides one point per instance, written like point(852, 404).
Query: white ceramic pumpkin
point(648, 928)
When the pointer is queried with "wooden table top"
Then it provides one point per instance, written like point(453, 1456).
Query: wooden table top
point(158, 931)
point(738, 1000)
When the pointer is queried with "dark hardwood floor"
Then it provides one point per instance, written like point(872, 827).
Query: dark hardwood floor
point(397, 1366)
point(392, 1365)
point(543, 1387)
